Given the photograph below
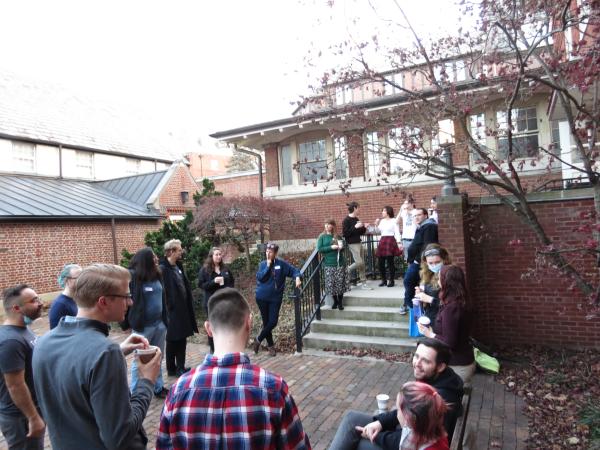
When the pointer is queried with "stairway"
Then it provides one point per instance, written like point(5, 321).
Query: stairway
point(370, 319)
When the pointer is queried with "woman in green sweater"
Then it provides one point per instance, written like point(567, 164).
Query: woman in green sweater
point(330, 247)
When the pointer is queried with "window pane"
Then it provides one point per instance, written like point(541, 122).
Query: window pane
point(286, 165)
point(315, 171)
point(340, 155)
point(313, 160)
point(23, 156)
point(84, 164)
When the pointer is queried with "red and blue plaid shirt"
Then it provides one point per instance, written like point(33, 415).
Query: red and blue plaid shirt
point(229, 403)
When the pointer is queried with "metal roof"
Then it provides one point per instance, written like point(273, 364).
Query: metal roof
point(50, 114)
point(137, 189)
point(31, 197)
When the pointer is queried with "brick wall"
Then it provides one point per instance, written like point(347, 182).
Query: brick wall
point(180, 181)
point(239, 185)
point(35, 252)
point(511, 309)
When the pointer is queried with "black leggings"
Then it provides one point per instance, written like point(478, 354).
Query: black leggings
point(175, 358)
point(390, 265)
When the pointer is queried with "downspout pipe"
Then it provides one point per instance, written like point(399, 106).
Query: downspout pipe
point(258, 156)
point(248, 151)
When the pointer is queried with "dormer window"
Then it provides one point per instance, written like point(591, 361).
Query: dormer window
point(23, 156)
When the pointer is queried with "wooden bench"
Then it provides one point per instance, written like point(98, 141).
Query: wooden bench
point(461, 422)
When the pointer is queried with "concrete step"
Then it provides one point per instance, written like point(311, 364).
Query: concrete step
point(350, 299)
point(315, 340)
point(397, 329)
point(374, 313)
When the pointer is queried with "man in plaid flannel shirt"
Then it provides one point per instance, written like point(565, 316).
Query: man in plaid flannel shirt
point(227, 402)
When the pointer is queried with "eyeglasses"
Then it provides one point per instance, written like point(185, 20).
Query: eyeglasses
point(432, 252)
point(33, 300)
point(272, 246)
point(126, 297)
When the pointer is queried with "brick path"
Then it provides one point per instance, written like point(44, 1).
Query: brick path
point(324, 387)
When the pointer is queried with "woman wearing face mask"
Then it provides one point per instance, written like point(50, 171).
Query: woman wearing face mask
point(453, 323)
point(434, 257)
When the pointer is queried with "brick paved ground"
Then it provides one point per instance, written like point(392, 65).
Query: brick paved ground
point(324, 387)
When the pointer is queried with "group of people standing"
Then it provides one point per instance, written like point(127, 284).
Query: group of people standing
point(430, 279)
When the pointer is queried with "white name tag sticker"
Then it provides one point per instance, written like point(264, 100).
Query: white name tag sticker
point(277, 267)
point(148, 289)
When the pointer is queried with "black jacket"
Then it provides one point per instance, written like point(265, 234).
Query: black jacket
point(449, 386)
point(135, 314)
point(182, 321)
point(207, 283)
point(350, 232)
point(427, 233)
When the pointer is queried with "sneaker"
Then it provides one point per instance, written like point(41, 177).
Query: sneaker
point(364, 286)
point(272, 351)
point(162, 393)
point(403, 310)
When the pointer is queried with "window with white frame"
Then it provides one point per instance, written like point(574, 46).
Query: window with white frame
point(402, 141)
point(394, 84)
point(450, 71)
point(84, 164)
point(23, 156)
point(376, 158)
point(525, 139)
point(132, 166)
point(340, 157)
point(312, 160)
point(286, 165)
point(343, 94)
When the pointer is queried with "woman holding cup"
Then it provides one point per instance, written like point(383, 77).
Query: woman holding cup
point(214, 275)
point(330, 247)
point(453, 322)
point(427, 293)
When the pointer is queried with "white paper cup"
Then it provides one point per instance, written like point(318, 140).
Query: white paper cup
point(146, 354)
point(340, 243)
point(425, 321)
point(382, 402)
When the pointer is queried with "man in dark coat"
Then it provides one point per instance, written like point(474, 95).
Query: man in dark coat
point(182, 321)
point(427, 233)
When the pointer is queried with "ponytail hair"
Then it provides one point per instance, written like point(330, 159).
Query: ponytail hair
point(423, 408)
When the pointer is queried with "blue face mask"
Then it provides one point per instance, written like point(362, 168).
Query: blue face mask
point(435, 268)
point(27, 320)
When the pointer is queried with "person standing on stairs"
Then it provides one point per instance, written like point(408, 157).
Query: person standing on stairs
point(387, 248)
point(353, 229)
point(330, 247)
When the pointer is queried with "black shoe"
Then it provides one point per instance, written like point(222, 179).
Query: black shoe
point(335, 306)
point(341, 307)
point(391, 284)
point(383, 283)
point(255, 346)
point(182, 371)
point(162, 393)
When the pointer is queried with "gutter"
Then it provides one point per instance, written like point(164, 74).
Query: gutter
point(257, 155)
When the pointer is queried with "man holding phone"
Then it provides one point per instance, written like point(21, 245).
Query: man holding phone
point(270, 278)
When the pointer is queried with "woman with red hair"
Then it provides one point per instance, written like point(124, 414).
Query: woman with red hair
point(421, 412)
point(453, 322)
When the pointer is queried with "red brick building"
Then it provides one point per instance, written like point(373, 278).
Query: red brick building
point(325, 145)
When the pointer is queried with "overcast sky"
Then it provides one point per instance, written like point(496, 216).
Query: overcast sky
point(198, 66)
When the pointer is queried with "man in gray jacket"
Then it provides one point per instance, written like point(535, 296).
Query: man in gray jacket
point(81, 375)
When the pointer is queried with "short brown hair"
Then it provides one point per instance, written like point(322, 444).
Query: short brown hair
point(96, 281)
point(227, 310)
point(12, 296)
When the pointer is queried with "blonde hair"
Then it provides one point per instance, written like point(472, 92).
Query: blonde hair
point(171, 245)
point(98, 280)
point(426, 275)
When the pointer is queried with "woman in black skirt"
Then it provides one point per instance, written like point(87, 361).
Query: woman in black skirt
point(387, 248)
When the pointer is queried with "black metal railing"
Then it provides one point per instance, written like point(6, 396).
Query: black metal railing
point(560, 184)
point(309, 298)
